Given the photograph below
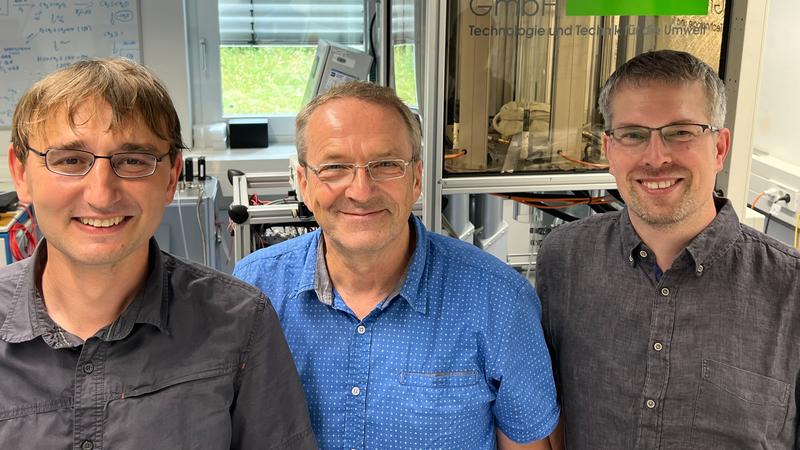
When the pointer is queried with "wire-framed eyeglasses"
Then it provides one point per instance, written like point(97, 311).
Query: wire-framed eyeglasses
point(344, 173)
point(77, 163)
point(678, 133)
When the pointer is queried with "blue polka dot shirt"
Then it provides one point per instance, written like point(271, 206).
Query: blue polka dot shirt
point(456, 352)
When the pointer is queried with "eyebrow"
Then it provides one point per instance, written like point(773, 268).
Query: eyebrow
point(127, 147)
point(335, 156)
point(72, 145)
point(674, 122)
point(132, 147)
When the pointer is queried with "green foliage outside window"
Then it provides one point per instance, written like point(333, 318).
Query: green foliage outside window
point(272, 80)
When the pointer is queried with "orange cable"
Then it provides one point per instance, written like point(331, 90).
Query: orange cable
point(459, 154)
point(582, 163)
point(755, 201)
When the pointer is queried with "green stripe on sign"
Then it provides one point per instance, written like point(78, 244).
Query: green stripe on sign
point(637, 7)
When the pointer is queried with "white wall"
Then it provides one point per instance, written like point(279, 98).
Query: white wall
point(776, 152)
point(779, 96)
point(163, 46)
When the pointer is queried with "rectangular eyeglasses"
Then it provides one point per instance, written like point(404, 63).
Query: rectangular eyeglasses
point(77, 163)
point(678, 133)
point(344, 173)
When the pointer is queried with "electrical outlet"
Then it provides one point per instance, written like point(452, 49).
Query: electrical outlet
point(794, 193)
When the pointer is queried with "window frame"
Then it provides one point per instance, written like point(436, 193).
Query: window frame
point(203, 43)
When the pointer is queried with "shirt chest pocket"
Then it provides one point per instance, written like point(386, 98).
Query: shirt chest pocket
point(446, 391)
point(738, 408)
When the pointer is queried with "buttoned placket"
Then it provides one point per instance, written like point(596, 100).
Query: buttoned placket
point(89, 399)
point(658, 357)
point(357, 382)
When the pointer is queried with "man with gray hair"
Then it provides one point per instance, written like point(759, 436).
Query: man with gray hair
point(403, 338)
point(679, 327)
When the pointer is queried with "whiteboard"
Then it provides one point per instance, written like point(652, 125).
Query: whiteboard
point(38, 37)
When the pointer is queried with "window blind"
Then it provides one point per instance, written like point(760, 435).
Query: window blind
point(304, 22)
point(287, 22)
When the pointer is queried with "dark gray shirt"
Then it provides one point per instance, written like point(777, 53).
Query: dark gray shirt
point(706, 357)
point(197, 361)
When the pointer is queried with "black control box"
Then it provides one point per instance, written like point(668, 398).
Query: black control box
point(248, 133)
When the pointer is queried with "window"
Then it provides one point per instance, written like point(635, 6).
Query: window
point(406, 49)
point(254, 57)
point(267, 49)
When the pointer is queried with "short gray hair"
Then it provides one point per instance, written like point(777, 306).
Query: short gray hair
point(364, 91)
point(669, 67)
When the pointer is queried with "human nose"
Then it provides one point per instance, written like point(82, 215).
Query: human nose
point(657, 152)
point(361, 186)
point(101, 185)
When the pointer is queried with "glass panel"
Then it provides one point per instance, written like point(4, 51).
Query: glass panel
point(523, 80)
point(404, 48)
point(268, 47)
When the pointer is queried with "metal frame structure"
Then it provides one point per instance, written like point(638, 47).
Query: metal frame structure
point(278, 213)
point(744, 41)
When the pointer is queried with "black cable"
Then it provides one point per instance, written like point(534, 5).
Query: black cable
point(607, 207)
point(558, 214)
point(373, 67)
point(615, 193)
point(600, 209)
point(766, 223)
point(544, 196)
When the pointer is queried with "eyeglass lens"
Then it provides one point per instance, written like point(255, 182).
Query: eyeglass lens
point(635, 136)
point(378, 170)
point(79, 162)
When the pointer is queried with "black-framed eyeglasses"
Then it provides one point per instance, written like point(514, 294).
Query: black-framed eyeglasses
point(637, 136)
point(77, 163)
point(344, 173)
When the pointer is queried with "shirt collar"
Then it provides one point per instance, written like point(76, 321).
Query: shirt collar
point(718, 237)
point(315, 275)
point(27, 318)
point(704, 249)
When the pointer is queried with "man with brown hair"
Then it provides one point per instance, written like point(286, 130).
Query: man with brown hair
point(108, 342)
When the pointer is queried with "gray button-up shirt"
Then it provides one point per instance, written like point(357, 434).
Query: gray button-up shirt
point(197, 361)
point(707, 356)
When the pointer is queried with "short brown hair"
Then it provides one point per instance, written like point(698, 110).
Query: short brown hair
point(368, 92)
point(131, 90)
point(671, 67)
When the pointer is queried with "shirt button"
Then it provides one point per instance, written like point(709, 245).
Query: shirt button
point(658, 347)
point(651, 404)
point(361, 329)
point(88, 368)
point(87, 445)
point(355, 391)
point(664, 292)
point(643, 253)
point(700, 268)
point(630, 258)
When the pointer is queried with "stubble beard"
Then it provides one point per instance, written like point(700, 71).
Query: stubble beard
point(651, 215)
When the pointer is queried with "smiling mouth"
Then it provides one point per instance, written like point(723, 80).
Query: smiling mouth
point(663, 184)
point(101, 223)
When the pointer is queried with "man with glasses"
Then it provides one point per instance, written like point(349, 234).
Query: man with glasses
point(671, 325)
point(106, 341)
point(403, 338)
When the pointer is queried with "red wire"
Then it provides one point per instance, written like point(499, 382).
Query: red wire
point(28, 237)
